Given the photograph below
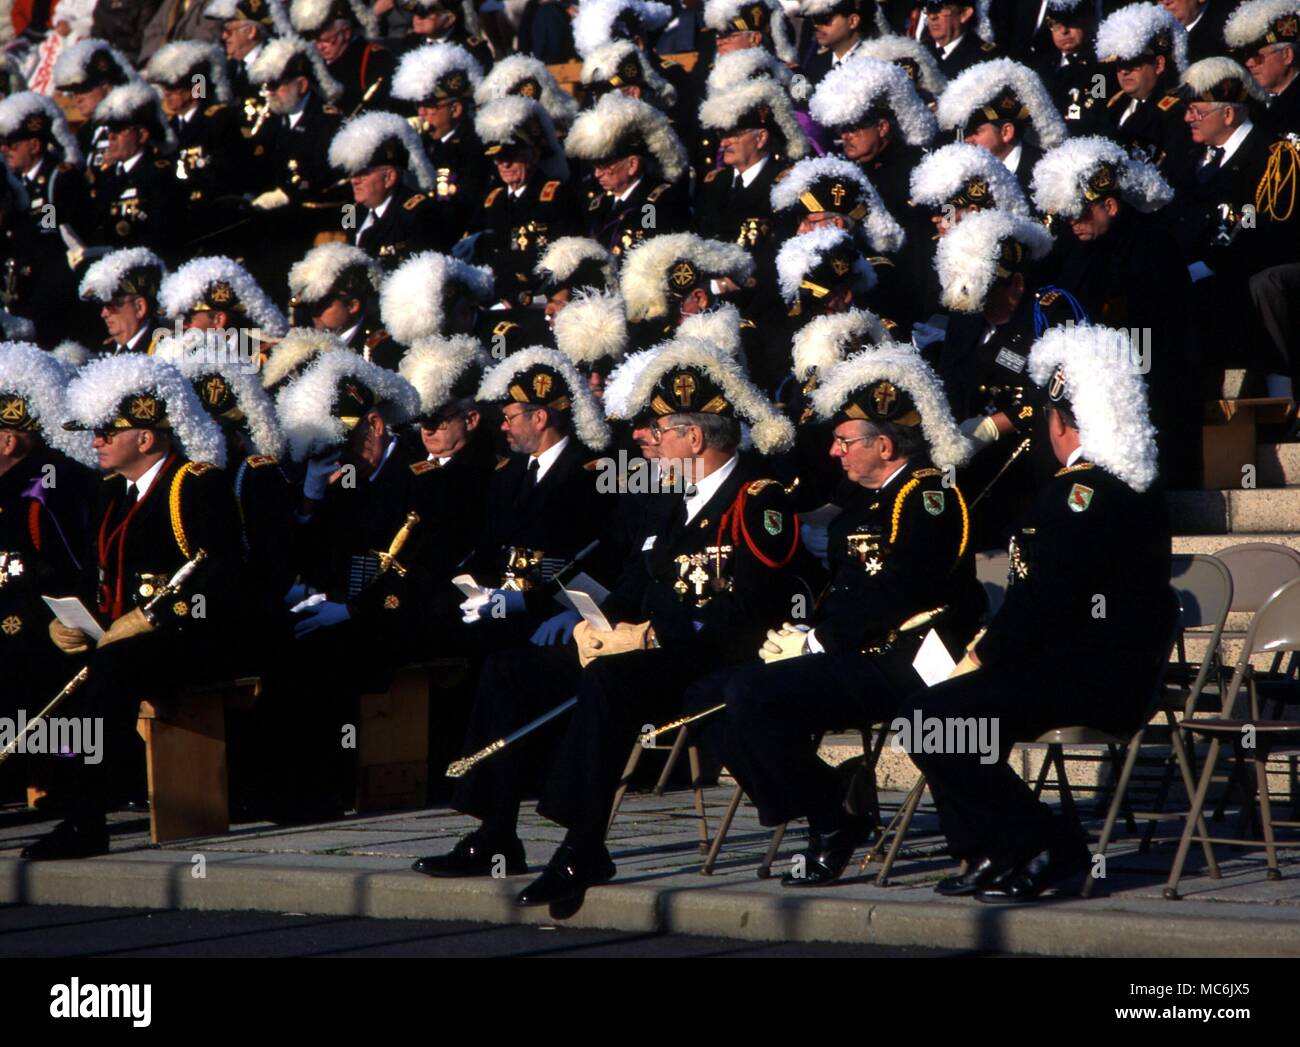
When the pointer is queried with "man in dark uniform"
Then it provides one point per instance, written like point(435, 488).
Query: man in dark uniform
point(165, 501)
point(85, 73)
point(211, 159)
point(124, 285)
point(1146, 50)
point(639, 163)
point(839, 27)
point(45, 498)
point(216, 294)
point(136, 195)
point(1266, 40)
point(1097, 534)
point(1121, 262)
point(1066, 61)
point(443, 22)
point(954, 34)
point(1203, 20)
point(534, 202)
point(335, 288)
point(713, 570)
point(343, 32)
point(43, 156)
point(439, 82)
point(391, 222)
point(902, 565)
point(246, 26)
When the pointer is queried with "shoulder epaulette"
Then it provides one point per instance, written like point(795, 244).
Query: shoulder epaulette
point(474, 41)
point(415, 201)
point(781, 174)
point(713, 174)
point(658, 191)
point(259, 461)
point(1076, 467)
point(174, 502)
point(213, 110)
point(667, 63)
point(823, 50)
point(760, 485)
point(595, 202)
point(1115, 98)
point(748, 325)
point(1167, 103)
point(548, 192)
point(419, 468)
point(199, 468)
point(163, 165)
point(502, 462)
point(503, 327)
point(492, 196)
point(988, 48)
point(331, 110)
point(65, 168)
point(877, 261)
point(593, 465)
point(375, 337)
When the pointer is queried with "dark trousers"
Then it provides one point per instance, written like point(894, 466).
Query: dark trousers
point(986, 809)
point(1275, 295)
point(774, 720)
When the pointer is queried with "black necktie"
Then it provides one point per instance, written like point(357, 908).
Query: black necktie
point(534, 466)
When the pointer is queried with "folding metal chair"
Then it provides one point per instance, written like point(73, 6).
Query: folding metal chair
point(680, 743)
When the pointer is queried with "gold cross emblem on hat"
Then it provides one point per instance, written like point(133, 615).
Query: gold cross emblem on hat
point(837, 193)
point(885, 397)
point(684, 388)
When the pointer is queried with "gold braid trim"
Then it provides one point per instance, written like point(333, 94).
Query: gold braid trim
point(174, 505)
point(1277, 181)
point(908, 488)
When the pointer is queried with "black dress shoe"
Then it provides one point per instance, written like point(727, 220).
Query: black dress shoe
point(829, 854)
point(68, 840)
point(568, 876)
point(475, 855)
point(981, 874)
point(1032, 878)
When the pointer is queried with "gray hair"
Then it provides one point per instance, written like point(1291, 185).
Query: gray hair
point(720, 433)
point(908, 440)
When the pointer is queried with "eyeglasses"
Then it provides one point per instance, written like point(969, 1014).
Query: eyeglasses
point(442, 426)
point(510, 419)
point(845, 442)
point(657, 431)
point(1198, 114)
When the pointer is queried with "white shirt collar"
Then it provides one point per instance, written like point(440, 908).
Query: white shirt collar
point(384, 460)
point(1075, 455)
point(837, 59)
point(378, 212)
point(34, 170)
point(346, 336)
point(1012, 159)
point(131, 342)
point(892, 476)
point(450, 134)
point(127, 165)
point(950, 48)
point(748, 175)
point(627, 192)
point(185, 118)
point(547, 458)
point(1197, 20)
point(708, 487)
point(1234, 143)
point(251, 57)
point(143, 484)
point(301, 108)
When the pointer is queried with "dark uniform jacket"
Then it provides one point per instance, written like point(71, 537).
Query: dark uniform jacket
point(463, 174)
point(1088, 535)
point(299, 155)
point(970, 49)
point(266, 506)
point(405, 228)
point(142, 207)
point(374, 343)
point(522, 226)
point(210, 161)
point(895, 553)
point(652, 207)
point(478, 46)
point(722, 580)
point(1157, 132)
point(736, 213)
point(189, 506)
point(93, 140)
point(1283, 113)
point(365, 69)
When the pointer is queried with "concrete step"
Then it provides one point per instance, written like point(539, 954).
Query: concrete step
point(1279, 465)
point(1250, 512)
point(1213, 543)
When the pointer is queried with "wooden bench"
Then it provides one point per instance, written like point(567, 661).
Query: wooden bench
point(185, 750)
point(393, 736)
point(1229, 437)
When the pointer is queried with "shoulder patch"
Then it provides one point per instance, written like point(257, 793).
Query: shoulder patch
point(199, 468)
point(414, 202)
point(1167, 103)
point(548, 192)
point(1079, 498)
point(259, 461)
point(713, 174)
point(419, 468)
point(493, 196)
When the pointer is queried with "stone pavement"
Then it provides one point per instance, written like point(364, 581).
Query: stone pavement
point(360, 866)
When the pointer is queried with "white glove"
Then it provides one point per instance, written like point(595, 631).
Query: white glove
point(817, 540)
point(270, 200)
point(76, 256)
point(556, 630)
point(790, 641)
point(476, 607)
point(319, 471)
point(297, 593)
point(320, 615)
point(1199, 271)
point(311, 600)
point(926, 334)
point(983, 430)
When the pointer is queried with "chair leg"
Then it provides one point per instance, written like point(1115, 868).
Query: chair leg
point(674, 755)
point(1117, 800)
point(774, 845)
point(697, 787)
point(895, 845)
point(633, 759)
point(723, 827)
point(1189, 784)
point(1193, 819)
point(1063, 786)
point(1260, 760)
point(1041, 780)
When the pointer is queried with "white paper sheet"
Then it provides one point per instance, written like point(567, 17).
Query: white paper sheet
point(933, 663)
point(72, 613)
